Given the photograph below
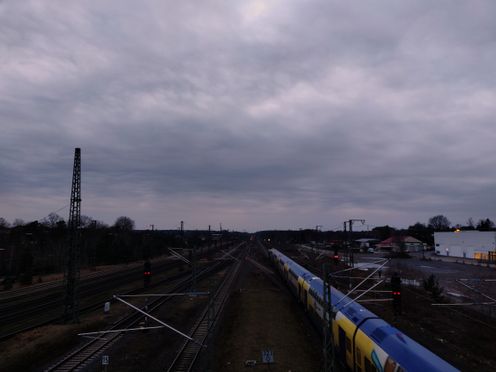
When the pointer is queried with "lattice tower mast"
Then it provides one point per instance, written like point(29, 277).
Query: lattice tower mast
point(71, 273)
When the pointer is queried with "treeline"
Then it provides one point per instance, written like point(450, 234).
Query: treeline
point(421, 231)
point(29, 250)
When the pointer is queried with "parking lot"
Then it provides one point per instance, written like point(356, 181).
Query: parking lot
point(450, 274)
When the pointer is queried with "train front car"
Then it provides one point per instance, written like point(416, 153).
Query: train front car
point(363, 342)
point(390, 350)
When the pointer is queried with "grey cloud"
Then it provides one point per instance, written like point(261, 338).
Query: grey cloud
point(265, 114)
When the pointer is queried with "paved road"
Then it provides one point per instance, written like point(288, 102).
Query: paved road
point(447, 272)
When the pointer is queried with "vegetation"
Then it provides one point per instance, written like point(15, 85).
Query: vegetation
point(40, 346)
point(485, 225)
point(439, 223)
point(39, 248)
point(29, 250)
point(431, 285)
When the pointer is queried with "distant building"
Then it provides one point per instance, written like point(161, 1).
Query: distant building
point(480, 245)
point(395, 243)
point(366, 243)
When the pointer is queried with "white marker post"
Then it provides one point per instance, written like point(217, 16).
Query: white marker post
point(105, 362)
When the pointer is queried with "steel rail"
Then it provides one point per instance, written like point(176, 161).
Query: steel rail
point(95, 304)
point(80, 356)
point(78, 359)
point(189, 352)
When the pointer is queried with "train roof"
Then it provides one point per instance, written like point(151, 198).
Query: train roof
point(408, 353)
point(412, 356)
point(354, 311)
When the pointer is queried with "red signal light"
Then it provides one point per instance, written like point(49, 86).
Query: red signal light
point(147, 273)
point(336, 257)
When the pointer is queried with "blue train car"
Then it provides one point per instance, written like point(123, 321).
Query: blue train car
point(363, 342)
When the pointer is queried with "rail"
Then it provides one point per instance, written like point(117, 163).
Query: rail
point(82, 356)
point(189, 352)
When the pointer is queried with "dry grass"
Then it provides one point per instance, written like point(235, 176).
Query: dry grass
point(261, 316)
point(30, 351)
point(85, 271)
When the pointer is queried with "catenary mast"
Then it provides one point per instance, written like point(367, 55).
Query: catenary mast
point(71, 273)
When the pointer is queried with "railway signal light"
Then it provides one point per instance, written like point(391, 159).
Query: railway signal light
point(396, 293)
point(147, 273)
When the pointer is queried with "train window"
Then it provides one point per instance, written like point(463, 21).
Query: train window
point(348, 345)
point(369, 367)
point(358, 357)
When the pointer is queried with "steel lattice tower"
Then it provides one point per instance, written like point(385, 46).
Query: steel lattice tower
point(71, 273)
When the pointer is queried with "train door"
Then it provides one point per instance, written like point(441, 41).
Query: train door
point(302, 294)
point(342, 345)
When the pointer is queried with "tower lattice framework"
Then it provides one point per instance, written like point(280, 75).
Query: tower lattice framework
point(72, 273)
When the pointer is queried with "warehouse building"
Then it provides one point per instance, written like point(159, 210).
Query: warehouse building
point(479, 245)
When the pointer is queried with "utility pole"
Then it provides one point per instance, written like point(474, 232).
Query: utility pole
point(193, 268)
point(318, 228)
point(71, 272)
point(349, 237)
point(345, 245)
point(328, 346)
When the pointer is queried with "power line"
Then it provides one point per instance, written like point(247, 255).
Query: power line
point(58, 210)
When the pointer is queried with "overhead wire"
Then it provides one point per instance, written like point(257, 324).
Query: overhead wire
point(58, 210)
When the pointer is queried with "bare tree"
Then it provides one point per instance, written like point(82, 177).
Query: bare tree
point(471, 223)
point(439, 223)
point(124, 223)
point(18, 222)
point(52, 220)
point(99, 224)
point(4, 223)
point(86, 221)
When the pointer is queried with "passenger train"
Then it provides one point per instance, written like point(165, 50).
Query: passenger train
point(363, 342)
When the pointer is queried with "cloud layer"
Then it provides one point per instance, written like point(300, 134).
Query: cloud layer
point(256, 114)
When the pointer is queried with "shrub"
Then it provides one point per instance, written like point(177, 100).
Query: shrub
point(431, 285)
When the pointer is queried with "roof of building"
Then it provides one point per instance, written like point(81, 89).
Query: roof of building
point(394, 240)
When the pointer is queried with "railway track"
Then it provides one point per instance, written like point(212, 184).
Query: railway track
point(24, 309)
point(80, 358)
point(23, 316)
point(27, 295)
point(189, 352)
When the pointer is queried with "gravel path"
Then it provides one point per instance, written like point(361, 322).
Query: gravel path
point(264, 315)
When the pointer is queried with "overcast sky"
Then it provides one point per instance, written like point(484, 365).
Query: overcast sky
point(256, 114)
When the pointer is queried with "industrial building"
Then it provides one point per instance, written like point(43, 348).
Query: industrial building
point(479, 245)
